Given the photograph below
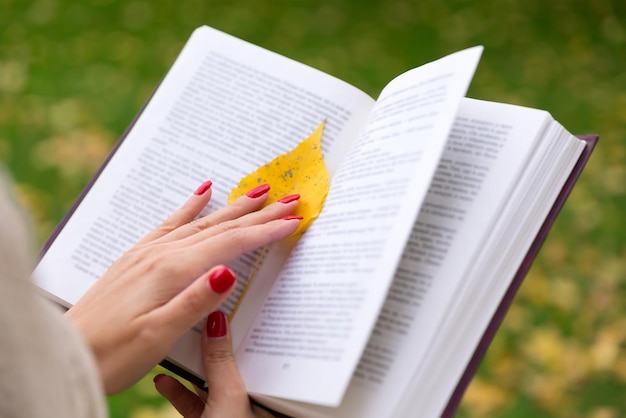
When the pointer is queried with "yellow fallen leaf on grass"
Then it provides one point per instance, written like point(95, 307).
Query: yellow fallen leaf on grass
point(299, 171)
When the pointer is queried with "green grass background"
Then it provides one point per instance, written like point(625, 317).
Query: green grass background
point(74, 73)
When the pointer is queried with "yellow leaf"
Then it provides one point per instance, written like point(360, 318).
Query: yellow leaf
point(299, 171)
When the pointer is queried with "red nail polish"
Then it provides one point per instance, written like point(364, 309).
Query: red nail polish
point(292, 217)
point(258, 191)
point(203, 188)
point(216, 325)
point(290, 198)
point(221, 279)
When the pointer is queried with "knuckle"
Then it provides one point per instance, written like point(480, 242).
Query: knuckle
point(152, 262)
point(199, 225)
point(166, 227)
point(239, 237)
point(149, 335)
point(224, 227)
point(196, 227)
point(234, 238)
point(193, 303)
point(157, 262)
point(219, 356)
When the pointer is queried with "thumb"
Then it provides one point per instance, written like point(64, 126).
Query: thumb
point(227, 391)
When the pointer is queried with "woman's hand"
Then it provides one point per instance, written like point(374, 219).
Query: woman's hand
point(172, 279)
point(227, 395)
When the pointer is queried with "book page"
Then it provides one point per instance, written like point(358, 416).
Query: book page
point(487, 149)
point(224, 108)
point(313, 326)
point(497, 260)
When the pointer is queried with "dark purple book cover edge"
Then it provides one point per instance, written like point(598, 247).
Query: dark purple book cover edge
point(498, 317)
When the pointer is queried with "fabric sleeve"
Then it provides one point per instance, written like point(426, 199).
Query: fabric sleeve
point(46, 370)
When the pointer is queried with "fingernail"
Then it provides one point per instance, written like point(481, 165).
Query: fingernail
point(292, 217)
point(258, 191)
point(216, 325)
point(221, 279)
point(290, 198)
point(158, 377)
point(203, 188)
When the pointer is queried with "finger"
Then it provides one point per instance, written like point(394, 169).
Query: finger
point(196, 301)
point(233, 243)
point(267, 214)
point(250, 202)
point(206, 293)
point(185, 214)
point(188, 404)
point(226, 388)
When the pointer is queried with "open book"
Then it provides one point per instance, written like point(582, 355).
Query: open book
point(437, 205)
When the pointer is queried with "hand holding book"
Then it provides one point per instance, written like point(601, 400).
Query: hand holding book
point(171, 279)
point(226, 395)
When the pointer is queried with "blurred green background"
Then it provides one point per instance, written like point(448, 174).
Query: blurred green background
point(73, 75)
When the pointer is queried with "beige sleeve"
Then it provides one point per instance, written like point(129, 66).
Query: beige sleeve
point(46, 369)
